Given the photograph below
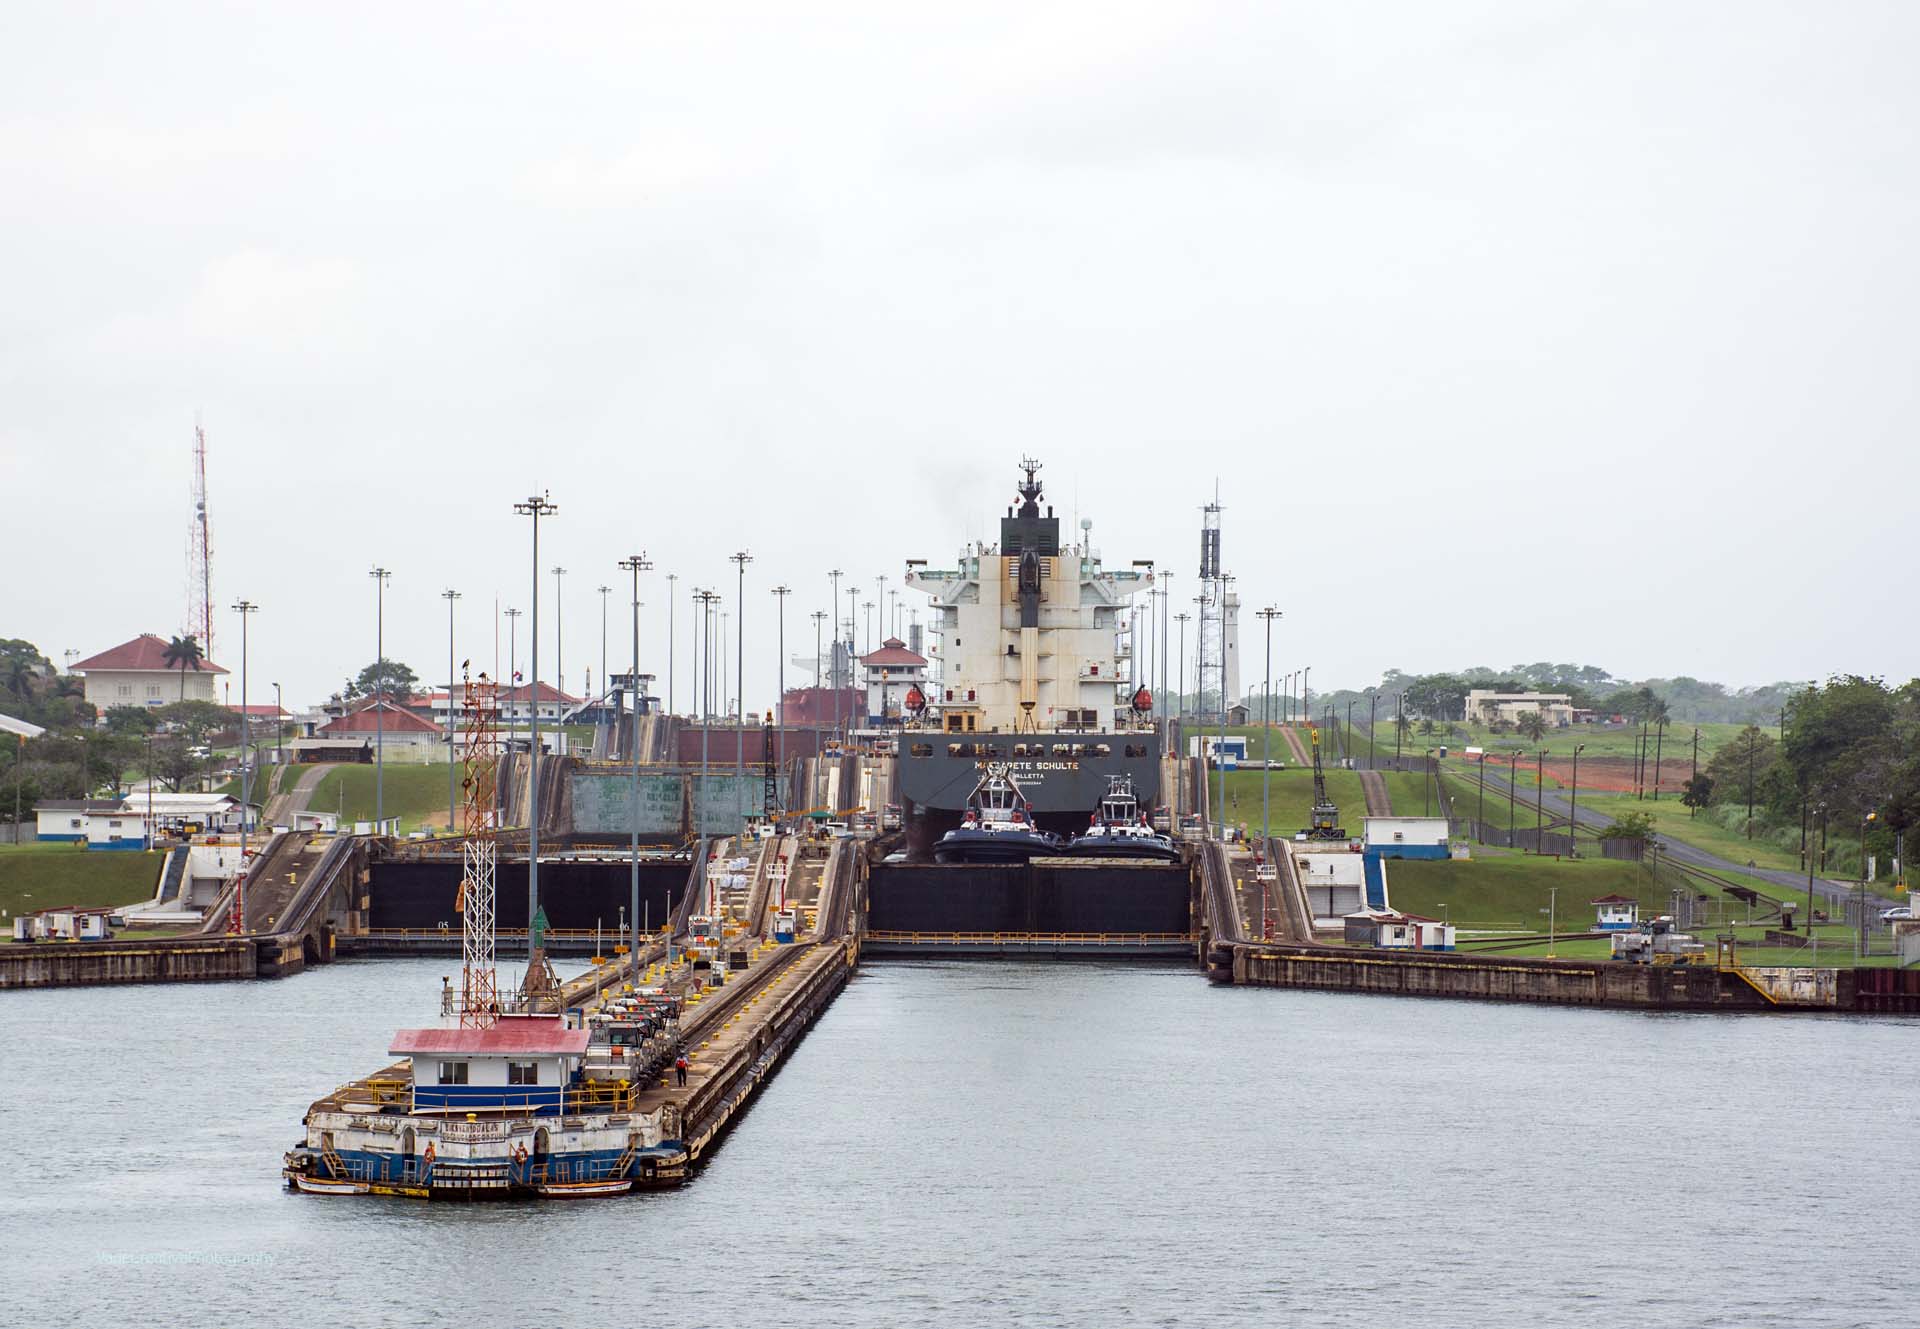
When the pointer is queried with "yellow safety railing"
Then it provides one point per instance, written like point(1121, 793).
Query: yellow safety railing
point(1046, 937)
point(376, 1089)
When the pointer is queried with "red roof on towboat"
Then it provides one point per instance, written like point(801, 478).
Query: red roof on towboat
point(535, 1034)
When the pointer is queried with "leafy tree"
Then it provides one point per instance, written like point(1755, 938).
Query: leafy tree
point(384, 679)
point(21, 665)
point(183, 653)
point(198, 720)
point(1630, 826)
point(1532, 724)
point(1838, 734)
point(1698, 792)
point(1740, 763)
point(172, 762)
point(131, 720)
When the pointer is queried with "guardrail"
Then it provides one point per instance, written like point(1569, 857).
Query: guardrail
point(1037, 938)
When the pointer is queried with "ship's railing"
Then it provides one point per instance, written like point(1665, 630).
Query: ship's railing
point(382, 1091)
point(601, 1096)
point(1042, 938)
point(609, 934)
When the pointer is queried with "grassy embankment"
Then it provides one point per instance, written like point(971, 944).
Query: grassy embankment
point(417, 795)
point(43, 876)
point(1500, 891)
point(1597, 742)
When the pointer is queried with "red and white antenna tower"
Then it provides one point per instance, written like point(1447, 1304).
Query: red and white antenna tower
point(200, 553)
point(480, 760)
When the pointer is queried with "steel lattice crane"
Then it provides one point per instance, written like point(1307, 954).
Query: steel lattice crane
point(1326, 817)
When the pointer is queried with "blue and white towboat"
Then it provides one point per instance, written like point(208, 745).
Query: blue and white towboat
point(533, 1105)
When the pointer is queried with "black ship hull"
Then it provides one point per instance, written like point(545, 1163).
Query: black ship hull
point(1058, 773)
point(1103, 846)
point(966, 845)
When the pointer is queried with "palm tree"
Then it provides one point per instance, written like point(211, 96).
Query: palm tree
point(1532, 724)
point(183, 653)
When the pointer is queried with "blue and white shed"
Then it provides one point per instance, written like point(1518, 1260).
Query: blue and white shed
point(1406, 837)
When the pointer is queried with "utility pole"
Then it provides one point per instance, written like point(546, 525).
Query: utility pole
point(1182, 618)
point(1267, 615)
point(380, 578)
point(1513, 785)
point(605, 685)
point(740, 561)
point(559, 657)
point(453, 797)
point(536, 506)
point(1696, 765)
point(1573, 821)
point(1659, 742)
point(635, 564)
point(1480, 818)
point(707, 601)
point(246, 609)
point(1220, 820)
point(781, 593)
point(672, 577)
point(833, 663)
point(1752, 736)
point(819, 617)
point(513, 647)
point(1373, 731)
point(1540, 802)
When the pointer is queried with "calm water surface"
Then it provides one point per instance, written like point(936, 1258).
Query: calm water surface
point(984, 1143)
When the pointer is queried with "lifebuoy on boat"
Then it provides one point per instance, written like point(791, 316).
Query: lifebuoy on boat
point(520, 1153)
point(428, 1156)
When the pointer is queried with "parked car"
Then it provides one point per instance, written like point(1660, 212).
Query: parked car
point(1898, 914)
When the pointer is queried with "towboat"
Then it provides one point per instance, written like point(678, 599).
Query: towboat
point(998, 826)
point(1119, 829)
point(528, 1105)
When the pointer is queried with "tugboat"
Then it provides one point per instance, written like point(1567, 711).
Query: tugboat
point(1119, 829)
point(998, 827)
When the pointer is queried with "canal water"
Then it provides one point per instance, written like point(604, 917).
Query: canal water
point(1003, 1143)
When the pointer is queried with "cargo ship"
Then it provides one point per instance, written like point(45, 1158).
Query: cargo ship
point(1033, 659)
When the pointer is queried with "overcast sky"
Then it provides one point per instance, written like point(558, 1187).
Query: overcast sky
point(1511, 331)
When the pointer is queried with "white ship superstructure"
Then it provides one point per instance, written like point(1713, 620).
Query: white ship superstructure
point(1031, 635)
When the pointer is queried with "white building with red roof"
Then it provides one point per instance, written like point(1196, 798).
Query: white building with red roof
point(889, 675)
point(136, 673)
point(399, 729)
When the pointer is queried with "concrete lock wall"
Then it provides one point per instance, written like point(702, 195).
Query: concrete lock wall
point(1028, 898)
point(420, 896)
point(603, 802)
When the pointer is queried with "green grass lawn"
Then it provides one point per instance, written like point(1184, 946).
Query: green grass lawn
point(417, 795)
point(1672, 822)
point(1510, 892)
point(1292, 798)
point(34, 877)
point(1561, 742)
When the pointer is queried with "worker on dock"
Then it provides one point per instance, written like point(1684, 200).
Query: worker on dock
point(680, 1070)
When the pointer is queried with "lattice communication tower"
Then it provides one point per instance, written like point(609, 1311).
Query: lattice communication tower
point(480, 824)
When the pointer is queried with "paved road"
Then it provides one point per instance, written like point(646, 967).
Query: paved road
point(1677, 850)
point(281, 807)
